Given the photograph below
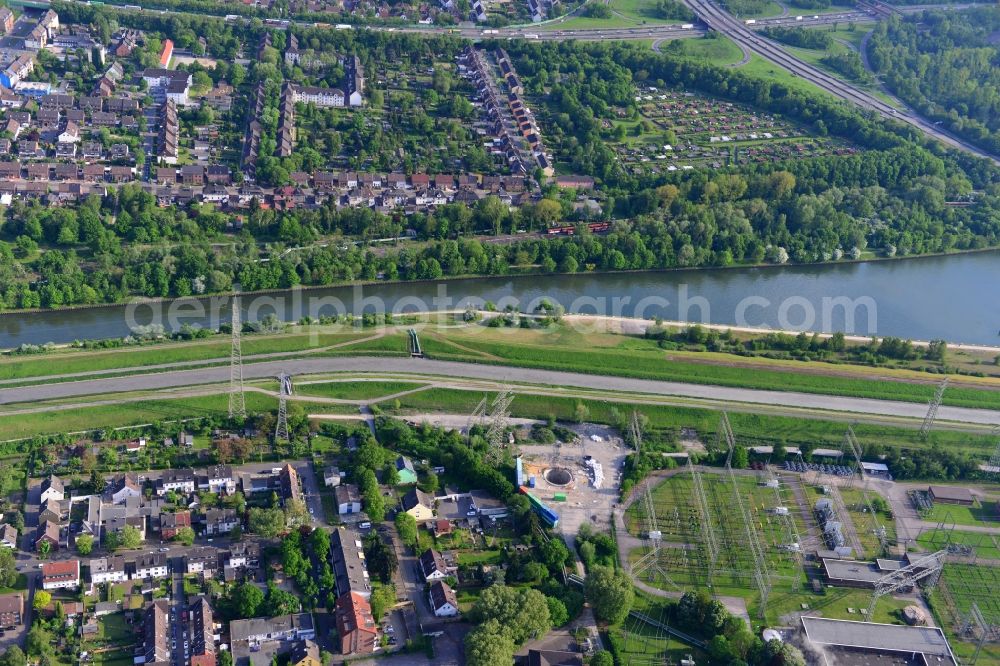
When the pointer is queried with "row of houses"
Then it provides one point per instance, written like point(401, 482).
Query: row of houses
point(356, 627)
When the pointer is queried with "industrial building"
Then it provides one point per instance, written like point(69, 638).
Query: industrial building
point(850, 643)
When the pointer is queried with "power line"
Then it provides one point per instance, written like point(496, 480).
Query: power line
point(928, 566)
point(237, 401)
point(851, 441)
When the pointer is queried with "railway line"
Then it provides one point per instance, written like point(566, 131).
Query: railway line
point(715, 18)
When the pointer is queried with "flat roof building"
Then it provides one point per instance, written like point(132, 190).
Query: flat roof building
point(951, 495)
point(847, 642)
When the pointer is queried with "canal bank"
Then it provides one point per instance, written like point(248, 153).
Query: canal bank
point(950, 297)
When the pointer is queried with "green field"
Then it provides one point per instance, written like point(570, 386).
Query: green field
point(983, 545)
point(73, 361)
point(567, 350)
point(354, 389)
point(985, 514)
point(717, 50)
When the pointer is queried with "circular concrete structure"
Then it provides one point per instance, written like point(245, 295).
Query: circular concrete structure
point(558, 476)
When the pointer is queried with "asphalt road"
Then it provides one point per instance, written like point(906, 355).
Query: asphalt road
point(453, 370)
point(720, 20)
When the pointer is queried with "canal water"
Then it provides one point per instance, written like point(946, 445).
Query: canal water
point(955, 297)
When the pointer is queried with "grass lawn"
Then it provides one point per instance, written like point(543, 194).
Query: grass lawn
point(476, 557)
point(115, 631)
point(112, 416)
point(20, 584)
point(716, 50)
point(761, 68)
point(981, 515)
point(71, 361)
point(113, 658)
point(354, 389)
point(984, 545)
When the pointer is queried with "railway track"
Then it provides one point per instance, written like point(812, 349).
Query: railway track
point(715, 18)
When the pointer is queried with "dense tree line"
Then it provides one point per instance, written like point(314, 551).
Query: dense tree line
point(945, 65)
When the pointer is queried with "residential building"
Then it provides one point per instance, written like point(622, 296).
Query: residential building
point(220, 521)
point(6, 20)
point(355, 75)
point(418, 504)
point(108, 570)
point(51, 511)
point(8, 536)
point(167, 84)
point(155, 632)
point(124, 487)
point(347, 557)
point(348, 499)
point(332, 477)
point(11, 607)
point(166, 53)
point(64, 574)
point(172, 523)
point(304, 653)
point(356, 627)
point(290, 487)
point(201, 560)
point(17, 71)
point(47, 532)
point(443, 600)
point(281, 628)
point(433, 566)
point(176, 480)
point(52, 488)
point(553, 658)
point(322, 97)
point(202, 633)
point(218, 478)
point(70, 134)
point(149, 565)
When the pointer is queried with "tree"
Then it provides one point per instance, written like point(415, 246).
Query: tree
point(39, 639)
point(42, 599)
point(381, 559)
point(267, 523)
point(13, 656)
point(8, 568)
point(44, 548)
point(296, 513)
point(522, 612)
point(84, 544)
point(247, 600)
point(406, 525)
point(602, 658)
point(225, 658)
point(383, 598)
point(131, 537)
point(741, 457)
point(610, 594)
point(557, 611)
point(280, 602)
point(185, 535)
point(489, 645)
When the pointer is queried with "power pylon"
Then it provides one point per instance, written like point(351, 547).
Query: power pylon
point(851, 441)
point(237, 401)
point(994, 465)
point(975, 620)
point(496, 435)
point(477, 416)
point(932, 409)
point(928, 566)
point(285, 390)
point(761, 575)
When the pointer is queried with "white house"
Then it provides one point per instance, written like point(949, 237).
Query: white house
point(348, 499)
point(62, 575)
point(124, 487)
point(443, 600)
point(108, 570)
point(432, 566)
point(52, 488)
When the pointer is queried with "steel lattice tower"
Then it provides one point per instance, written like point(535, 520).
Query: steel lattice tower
point(497, 433)
point(932, 408)
point(237, 401)
point(284, 390)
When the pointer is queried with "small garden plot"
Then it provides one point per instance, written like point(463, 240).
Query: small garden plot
point(419, 120)
point(678, 130)
point(684, 554)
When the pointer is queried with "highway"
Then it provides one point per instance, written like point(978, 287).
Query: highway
point(429, 370)
point(718, 19)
